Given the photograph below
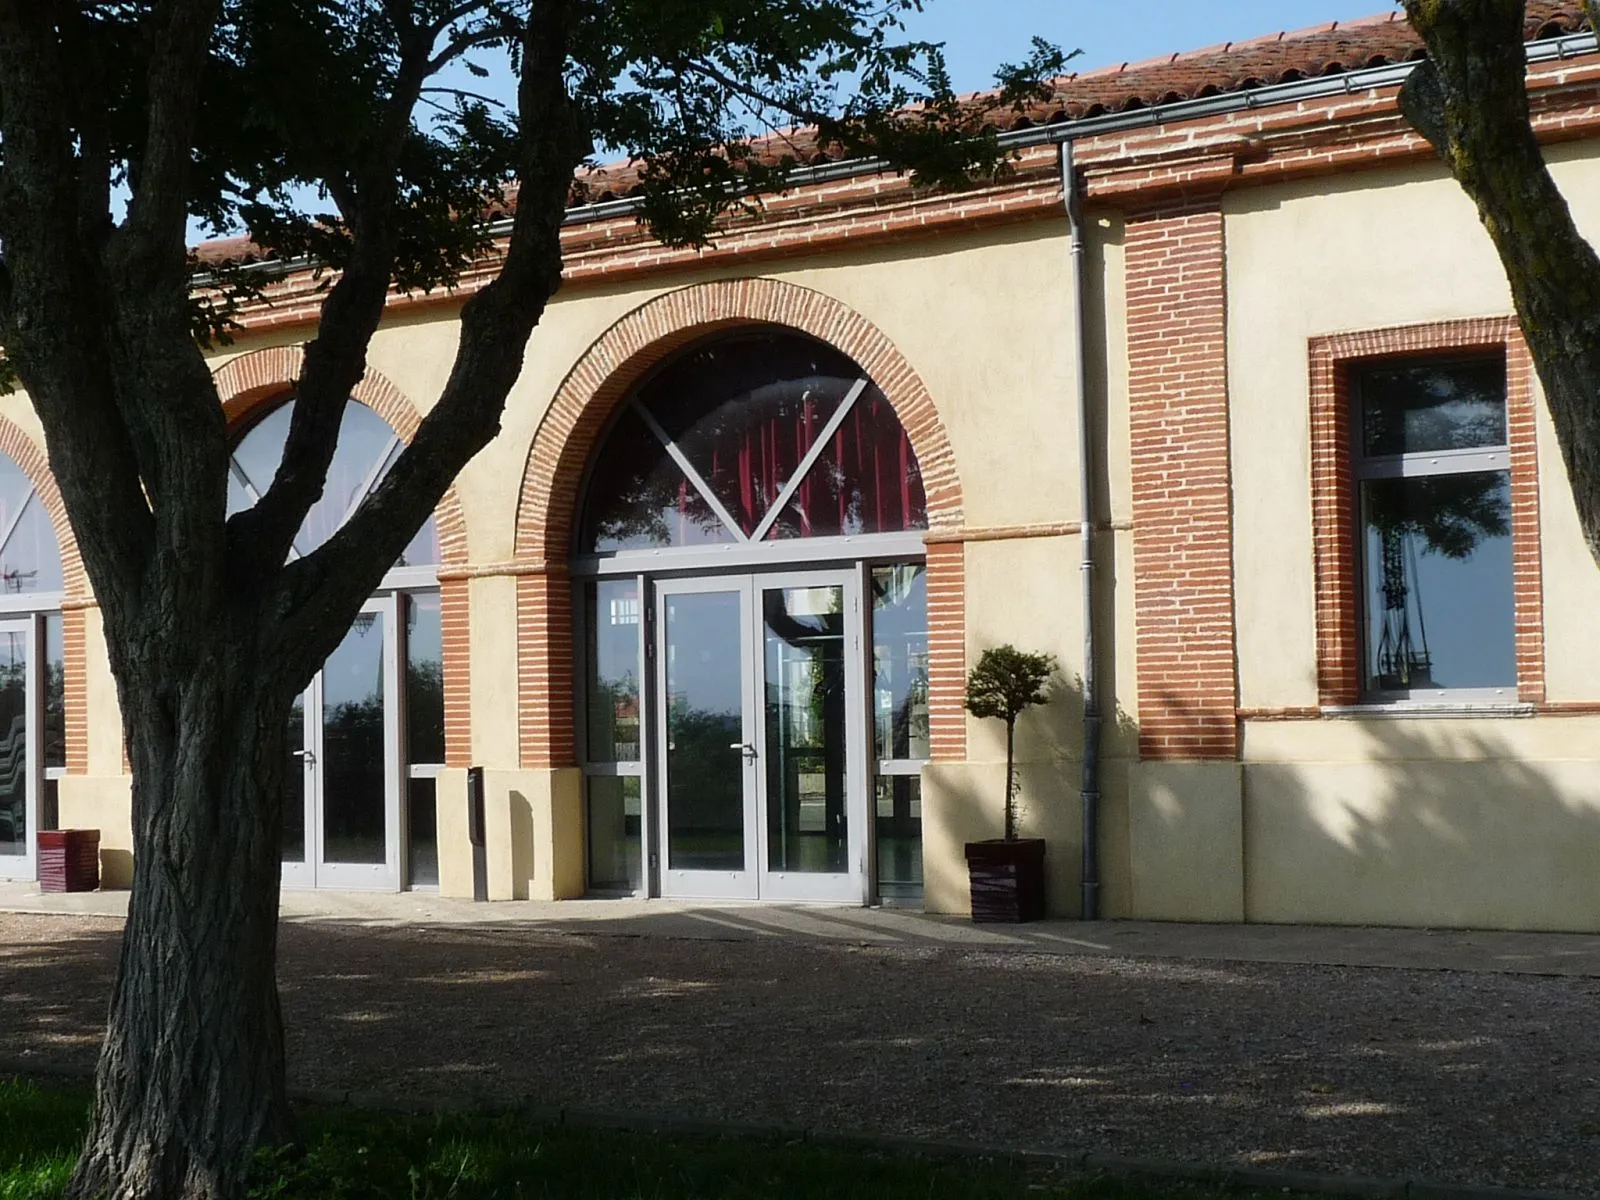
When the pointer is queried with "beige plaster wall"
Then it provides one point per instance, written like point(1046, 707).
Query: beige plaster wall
point(103, 803)
point(1325, 256)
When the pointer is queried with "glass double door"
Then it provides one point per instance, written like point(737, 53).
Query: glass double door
point(341, 823)
point(761, 731)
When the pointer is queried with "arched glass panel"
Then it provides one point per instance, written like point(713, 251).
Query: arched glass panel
point(367, 448)
point(30, 556)
point(754, 437)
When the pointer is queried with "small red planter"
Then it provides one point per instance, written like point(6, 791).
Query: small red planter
point(1007, 879)
point(69, 860)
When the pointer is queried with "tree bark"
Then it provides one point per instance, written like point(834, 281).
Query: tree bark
point(1469, 98)
point(191, 1078)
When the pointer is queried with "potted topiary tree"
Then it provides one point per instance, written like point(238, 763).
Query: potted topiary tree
point(1007, 873)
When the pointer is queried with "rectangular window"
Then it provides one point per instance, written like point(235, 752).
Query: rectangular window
point(612, 619)
point(1432, 474)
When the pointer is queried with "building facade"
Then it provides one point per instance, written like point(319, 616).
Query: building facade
point(703, 611)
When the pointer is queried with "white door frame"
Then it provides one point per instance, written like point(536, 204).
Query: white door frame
point(849, 886)
point(755, 880)
point(708, 884)
point(25, 866)
point(317, 871)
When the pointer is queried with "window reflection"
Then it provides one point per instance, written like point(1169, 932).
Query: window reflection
point(900, 661)
point(612, 687)
point(424, 679)
point(30, 557)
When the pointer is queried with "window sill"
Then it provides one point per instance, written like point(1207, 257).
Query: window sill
point(1402, 710)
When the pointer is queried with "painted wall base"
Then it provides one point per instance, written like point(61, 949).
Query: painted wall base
point(533, 834)
point(106, 804)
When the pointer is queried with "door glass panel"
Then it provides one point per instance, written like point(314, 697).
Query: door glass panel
point(55, 692)
point(422, 829)
point(615, 816)
point(899, 828)
point(900, 661)
point(805, 728)
point(14, 743)
point(352, 745)
point(612, 687)
point(294, 787)
point(424, 679)
point(705, 728)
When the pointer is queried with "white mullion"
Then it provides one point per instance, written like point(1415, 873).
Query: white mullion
point(11, 528)
point(371, 481)
point(243, 477)
point(687, 468)
point(1419, 466)
point(809, 461)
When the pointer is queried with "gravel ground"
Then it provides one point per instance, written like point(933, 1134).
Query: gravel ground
point(1464, 1078)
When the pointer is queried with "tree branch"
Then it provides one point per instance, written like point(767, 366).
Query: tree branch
point(495, 327)
point(1470, 100)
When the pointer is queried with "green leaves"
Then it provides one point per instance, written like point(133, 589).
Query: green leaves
point(1007, 682)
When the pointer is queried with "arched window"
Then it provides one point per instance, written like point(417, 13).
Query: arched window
point(367, 448)
point(30, 558)
point(752, 438)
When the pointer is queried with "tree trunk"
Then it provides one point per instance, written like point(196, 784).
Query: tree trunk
point(1011, 780)
point(191, 1077)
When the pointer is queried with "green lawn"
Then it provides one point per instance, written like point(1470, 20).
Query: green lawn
point(352, 1155)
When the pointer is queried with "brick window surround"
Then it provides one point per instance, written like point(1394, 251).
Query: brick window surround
point(569, 433)
point(257, 380)
point(1332, 359)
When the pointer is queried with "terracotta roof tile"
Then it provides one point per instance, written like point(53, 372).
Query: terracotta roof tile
point(1334, 48)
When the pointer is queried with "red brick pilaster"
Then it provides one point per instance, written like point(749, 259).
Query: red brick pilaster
point(1339, 666)
point(1182, 494)
point(546, 719)
point(947, 651)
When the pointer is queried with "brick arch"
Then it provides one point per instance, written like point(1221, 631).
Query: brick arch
point(248, 384)
point(612, 365)
point(569, 434)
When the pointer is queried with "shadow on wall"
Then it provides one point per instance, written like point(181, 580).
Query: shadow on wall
point(1463, 822)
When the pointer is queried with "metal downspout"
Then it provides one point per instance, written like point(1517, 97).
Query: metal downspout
point(1091, 699)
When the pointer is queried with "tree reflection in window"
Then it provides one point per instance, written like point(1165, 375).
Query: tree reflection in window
point(749, 438)
point(1435, 500)
point(367, 449)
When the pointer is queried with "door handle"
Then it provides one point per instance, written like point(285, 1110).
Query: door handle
point(744, 748)
point(307, 755)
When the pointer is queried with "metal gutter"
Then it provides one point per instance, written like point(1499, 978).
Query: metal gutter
point(1090, 789)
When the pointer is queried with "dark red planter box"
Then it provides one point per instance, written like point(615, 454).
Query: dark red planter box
point(1007, 879)
point(69, 860)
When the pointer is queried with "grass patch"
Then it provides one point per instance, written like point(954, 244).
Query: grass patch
point(354, 1155)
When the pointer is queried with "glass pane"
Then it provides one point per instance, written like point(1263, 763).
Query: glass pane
point(50, 805)
point(16, 490)
point(424, 679)
point(900, 661)
point(294, 787)
point(899, 828)
point(55, 692)
point(866, 481)
point(1428, 407)
point(14, 743)
point(745, 410)
point(805, 728)
point(639, 498)
point(705, 728)
point(615, 812)
point(367, 448)
point(422, 825)
point(353, 808)
point(30, 561)
point(1438, 582)
point(612, 687)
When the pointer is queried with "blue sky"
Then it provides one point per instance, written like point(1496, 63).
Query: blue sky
point(980, 33)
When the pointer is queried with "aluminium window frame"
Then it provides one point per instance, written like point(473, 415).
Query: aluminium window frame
point(1419, 465)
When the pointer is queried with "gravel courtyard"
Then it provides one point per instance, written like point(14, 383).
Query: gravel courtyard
point(1457, 1077)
